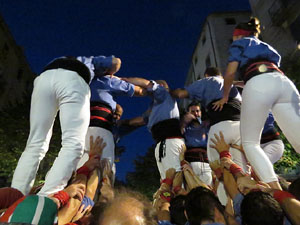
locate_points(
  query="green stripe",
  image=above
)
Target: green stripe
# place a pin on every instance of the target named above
(49, 212)
(25, 210)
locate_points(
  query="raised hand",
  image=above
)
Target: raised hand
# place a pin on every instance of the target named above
(97, 146)
(219, 143)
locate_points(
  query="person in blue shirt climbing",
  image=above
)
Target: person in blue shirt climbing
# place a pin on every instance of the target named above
(266, 89)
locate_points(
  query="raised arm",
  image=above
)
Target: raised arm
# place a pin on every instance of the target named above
(138, 81)
(179, 93)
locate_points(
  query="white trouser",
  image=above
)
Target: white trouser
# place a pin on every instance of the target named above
(262, 93)
(273, 149)
(203, 171)
(108, 151)
(171, 159)
(54, 90)
(231, 132)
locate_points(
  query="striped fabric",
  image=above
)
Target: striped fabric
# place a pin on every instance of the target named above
(32, 209)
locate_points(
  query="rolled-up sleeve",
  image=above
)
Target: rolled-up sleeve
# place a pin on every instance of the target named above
(159, 92)
(121, 87)
(235, 51)
(196, 89)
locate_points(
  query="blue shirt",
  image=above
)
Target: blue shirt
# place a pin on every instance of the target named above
(196, 136)
(164, 106)
(97, 64)
(209, 89)
(248, 48)
(105, 88)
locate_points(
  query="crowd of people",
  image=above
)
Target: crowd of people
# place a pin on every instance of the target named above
(215, 161)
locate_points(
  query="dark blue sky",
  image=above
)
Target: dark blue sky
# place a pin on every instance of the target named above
(154, 38)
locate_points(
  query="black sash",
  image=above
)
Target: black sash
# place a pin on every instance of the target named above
(72, 64)
(231, 111)
(101, 115)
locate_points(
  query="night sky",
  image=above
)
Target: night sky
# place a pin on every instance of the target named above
(155, 39)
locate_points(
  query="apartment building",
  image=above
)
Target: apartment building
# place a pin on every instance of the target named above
(213, 44)
(280, 22)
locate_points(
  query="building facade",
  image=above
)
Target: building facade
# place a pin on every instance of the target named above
(213, 44)
(15, 74)
(280, 23)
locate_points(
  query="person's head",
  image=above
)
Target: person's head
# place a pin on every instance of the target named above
(129, 208)
(212, 71)
(294, 188)
(104, 65)
(194, 108)
(177, 210)
(118, 112)
(163, 83)
(201, 204)
(115, 66)
(260, 208)
(250, 28)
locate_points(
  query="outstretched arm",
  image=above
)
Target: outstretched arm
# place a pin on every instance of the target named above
(138, 81)
(180, 93)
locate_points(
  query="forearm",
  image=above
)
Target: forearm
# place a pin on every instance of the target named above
(229, 77)
(137, 121)
(230, 184)
(291, 206)
(138, 81)
(163, 213)
(92, 185)
(139, 91)
(179, 93)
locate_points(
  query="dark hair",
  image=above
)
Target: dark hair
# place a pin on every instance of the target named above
(194, 103)
(294, 188)
(177, 210)
(260, 208)
(252, 25)
(200, 205)
(212, 71)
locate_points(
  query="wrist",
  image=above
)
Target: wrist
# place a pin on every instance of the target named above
(218, 173)
(280, 196)
(63, 197)
(234, 169)
(167, 181)
(225, 154)
(84, 170)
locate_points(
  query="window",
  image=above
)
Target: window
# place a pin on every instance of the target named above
(230, 21)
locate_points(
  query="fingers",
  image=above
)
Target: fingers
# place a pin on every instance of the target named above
(79, 191)
(221, 136)
(91, 141)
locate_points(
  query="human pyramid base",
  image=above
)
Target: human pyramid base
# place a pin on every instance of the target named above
(215, 161)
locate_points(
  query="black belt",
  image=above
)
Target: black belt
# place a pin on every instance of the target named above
(231, 111)
(196, 155)
(258, 68)
(72, 64)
